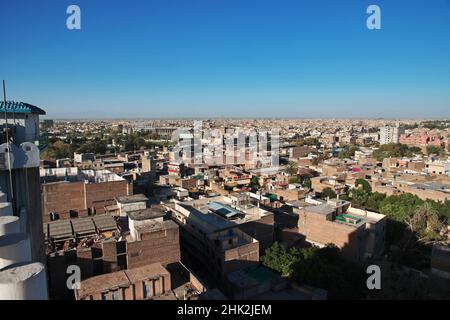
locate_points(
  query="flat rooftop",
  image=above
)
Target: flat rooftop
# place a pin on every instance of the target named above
(132, 199)
(74, 174)
(146, 214)
(153, 226)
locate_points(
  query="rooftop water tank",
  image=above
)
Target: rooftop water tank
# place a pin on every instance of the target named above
(26, 281)
(5, 209)
(9, 224)
(14, 248)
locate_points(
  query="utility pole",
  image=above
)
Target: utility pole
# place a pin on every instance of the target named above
(8, 144)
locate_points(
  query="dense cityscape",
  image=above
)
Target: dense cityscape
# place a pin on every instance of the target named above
(124, 202)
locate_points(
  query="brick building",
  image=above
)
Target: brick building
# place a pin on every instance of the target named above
(142, 283)
(67, 190)
(359, 234)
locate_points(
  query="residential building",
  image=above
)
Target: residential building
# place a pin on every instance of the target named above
(360, 234)
(390, 134)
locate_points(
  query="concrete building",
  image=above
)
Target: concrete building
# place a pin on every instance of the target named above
(211, 246)
(335, 183)
(390, 134)
(130, 203)
(438, 167)
(83, 157)
(22, 275)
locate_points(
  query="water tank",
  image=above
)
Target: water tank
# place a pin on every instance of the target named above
(9, 224)
(5, 209)
(14, 248)
(24, 282)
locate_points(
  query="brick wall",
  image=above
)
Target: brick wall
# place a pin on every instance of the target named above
(104, 194)
(159, 246)
(321, 231)
(78, 196)
(62, 197)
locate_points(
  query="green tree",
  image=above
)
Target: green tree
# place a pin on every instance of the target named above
(58, 150)
(328, 193)
(425, 223)
(365, 184)
(326, 268)
(254, 182)
(280, 259)
(291, 168)
(434, 150)
(359, 197)
(374, 200)
(415, 150)
(294, 180)
(307, 183)
(392, 150)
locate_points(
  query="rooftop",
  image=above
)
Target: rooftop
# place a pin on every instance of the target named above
(145, 214)
(19, 107)
(60, 230)
(132, 198)
(223, 210)
(57, 175)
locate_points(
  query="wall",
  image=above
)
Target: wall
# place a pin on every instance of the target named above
(78, 196)
(159, 246)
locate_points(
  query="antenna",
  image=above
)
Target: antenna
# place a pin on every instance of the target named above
(7, 144)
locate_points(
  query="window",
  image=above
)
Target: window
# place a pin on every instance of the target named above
(147, 289)
(105, 296)
(115, 295)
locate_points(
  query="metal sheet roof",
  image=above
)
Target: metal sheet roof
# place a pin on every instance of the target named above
(60, 229)
(19, 107)
(83, 226)
(104, 222)
(223, 210)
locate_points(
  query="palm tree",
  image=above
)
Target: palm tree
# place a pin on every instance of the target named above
(291, 168)
(425, 223)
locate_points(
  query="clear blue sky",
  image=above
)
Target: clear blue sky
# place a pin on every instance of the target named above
(241, 58)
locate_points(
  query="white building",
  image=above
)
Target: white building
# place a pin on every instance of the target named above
(22, 275)
(390, 134)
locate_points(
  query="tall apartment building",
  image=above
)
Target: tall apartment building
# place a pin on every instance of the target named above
(390, 134)
(22, 274)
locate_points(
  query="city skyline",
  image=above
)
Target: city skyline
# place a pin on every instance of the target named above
(227, 59)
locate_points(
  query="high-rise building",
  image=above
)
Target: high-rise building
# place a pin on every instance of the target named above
(22, 274)
(390, 134)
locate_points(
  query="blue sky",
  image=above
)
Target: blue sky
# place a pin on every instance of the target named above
(222, 58)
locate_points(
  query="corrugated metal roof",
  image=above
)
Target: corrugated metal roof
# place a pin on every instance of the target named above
(19, 107)
(60, 229)
(223, 210)
(83, 226)
(104, 222)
